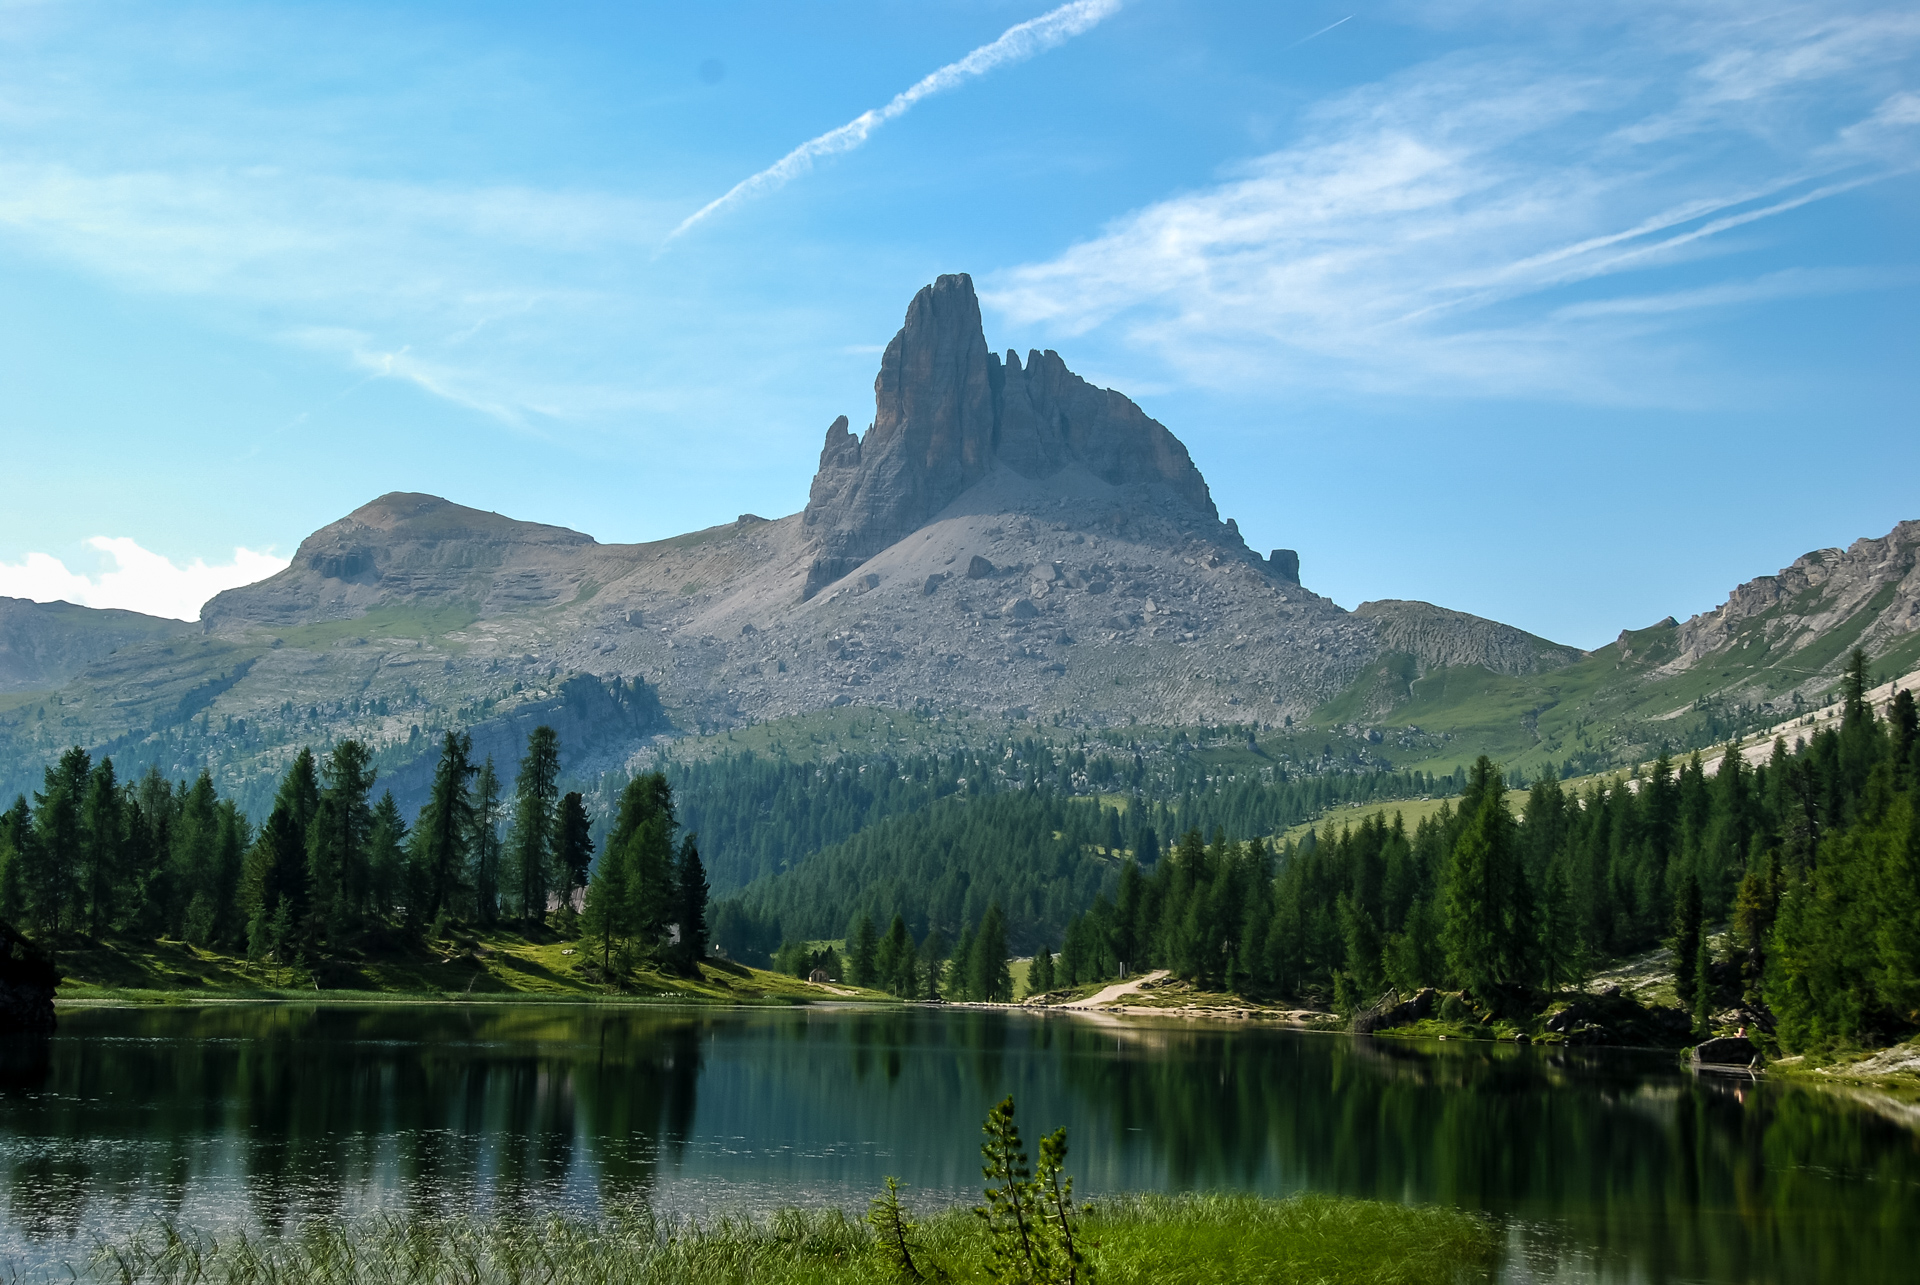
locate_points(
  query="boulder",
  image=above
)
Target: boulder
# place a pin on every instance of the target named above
(1727, 1050)
(1020, 609)
(979, 568)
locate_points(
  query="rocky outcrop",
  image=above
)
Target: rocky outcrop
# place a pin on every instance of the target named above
(43, 644)
(1874, 583)
(947, 412)
(1437, 638)
(414, 550)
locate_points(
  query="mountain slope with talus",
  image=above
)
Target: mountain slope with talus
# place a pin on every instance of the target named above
(1006, 543)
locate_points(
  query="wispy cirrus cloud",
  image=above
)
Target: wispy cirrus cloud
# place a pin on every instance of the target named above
(1016, 44)
(1449, 229)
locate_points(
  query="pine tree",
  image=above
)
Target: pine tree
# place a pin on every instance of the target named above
(530, 846)
(1010, 1214)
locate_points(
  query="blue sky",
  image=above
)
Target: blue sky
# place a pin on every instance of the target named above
(1572, 320)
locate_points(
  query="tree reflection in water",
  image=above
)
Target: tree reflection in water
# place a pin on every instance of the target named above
(269, 1115)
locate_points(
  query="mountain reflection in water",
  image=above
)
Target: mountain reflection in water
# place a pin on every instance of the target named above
(263, 1116)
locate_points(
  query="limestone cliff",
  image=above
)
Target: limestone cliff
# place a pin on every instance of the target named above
(947, 412)
(1870, 590)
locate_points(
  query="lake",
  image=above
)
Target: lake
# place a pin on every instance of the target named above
(1604, 1165)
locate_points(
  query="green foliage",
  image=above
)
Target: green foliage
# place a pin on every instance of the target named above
(647, 897)
(1011, 1213)
(1040, 978)
(895, 1230)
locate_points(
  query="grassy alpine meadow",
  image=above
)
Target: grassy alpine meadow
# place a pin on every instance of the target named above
(1320, 1239)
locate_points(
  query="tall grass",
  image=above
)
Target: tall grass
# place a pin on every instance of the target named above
(1162, 1239)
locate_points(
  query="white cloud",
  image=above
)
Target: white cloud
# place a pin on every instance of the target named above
(1446, 230)
(1016, 44)
(140, 580)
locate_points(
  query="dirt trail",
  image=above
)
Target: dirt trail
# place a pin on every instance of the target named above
(1116, 991)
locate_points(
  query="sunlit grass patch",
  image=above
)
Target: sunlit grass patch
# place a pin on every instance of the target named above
(1132, 1239)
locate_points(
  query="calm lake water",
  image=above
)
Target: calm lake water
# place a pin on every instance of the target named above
(1603, 1165)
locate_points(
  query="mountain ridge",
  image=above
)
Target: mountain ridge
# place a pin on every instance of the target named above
(1006, 543)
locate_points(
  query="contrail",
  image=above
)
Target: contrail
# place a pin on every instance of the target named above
(1316, 35)
(1016, 44)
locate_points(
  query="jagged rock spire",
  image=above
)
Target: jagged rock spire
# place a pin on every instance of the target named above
(947, 412)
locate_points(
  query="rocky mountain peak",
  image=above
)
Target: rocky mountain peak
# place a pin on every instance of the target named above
(948, 413)
(404, 547)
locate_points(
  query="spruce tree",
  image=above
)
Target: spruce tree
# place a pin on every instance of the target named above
(642, 838)
(863, 948)
(1040, 972)
(51, 881)
(486, 853)
(338, 840)
(536, 796)
(1489, 934)
(606, 924)
(16, 837)
(387, 858)
(894, 953)
(690, 907)
(573, 845)
(959, 970)
(444, 832)
(104, 835)
(933, 952)
(1559, 932)
(989, 978)
(1702, 988)
(1685, 941)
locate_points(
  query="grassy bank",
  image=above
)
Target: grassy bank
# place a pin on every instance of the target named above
(1896, 1068)
(1138, 1239)
(490, 964)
